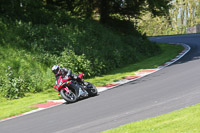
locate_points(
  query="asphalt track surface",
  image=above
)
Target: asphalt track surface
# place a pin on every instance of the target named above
(172, 88)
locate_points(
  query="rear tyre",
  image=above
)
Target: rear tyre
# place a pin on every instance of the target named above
(68, 97)
(91, 89)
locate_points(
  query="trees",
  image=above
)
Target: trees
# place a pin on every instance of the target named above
(85, 8)
(183, 14)
(132, 8)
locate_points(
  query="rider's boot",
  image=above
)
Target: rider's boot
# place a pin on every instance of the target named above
(83, 92)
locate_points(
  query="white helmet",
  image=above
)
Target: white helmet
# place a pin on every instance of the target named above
(56, 69)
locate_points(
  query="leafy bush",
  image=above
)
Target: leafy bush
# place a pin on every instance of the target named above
(80, 45)
(14, 86)
(27, 73)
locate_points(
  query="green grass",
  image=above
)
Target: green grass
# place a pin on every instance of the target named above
(168, 53)
(18, 106)
(182, 121)
(28, 51)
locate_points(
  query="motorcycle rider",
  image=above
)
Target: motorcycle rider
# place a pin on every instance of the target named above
(58, 71)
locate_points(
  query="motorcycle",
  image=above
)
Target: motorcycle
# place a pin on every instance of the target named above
(71, 90)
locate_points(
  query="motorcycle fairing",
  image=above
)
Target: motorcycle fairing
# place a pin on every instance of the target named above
(81, 75)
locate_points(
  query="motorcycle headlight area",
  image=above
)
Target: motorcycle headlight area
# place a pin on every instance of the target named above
(60, 83)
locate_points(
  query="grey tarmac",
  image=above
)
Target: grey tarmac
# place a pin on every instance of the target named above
(172, 88)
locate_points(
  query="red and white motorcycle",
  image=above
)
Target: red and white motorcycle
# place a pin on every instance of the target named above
(71, 90)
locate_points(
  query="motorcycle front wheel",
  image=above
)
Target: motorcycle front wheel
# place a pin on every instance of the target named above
(68, 97)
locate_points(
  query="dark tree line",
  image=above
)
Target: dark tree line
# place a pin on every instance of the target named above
(85, 8)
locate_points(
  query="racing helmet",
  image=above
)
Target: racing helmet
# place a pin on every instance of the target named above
(56, 69)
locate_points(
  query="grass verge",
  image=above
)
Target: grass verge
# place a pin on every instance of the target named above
(182, 121)
(168, 53)
(18, 106)
(14, 107)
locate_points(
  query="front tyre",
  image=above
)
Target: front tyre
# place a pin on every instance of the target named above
(91, 89)
(68, 97)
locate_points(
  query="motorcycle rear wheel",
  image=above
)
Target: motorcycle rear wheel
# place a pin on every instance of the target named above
(68, 97)
(91, 89)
